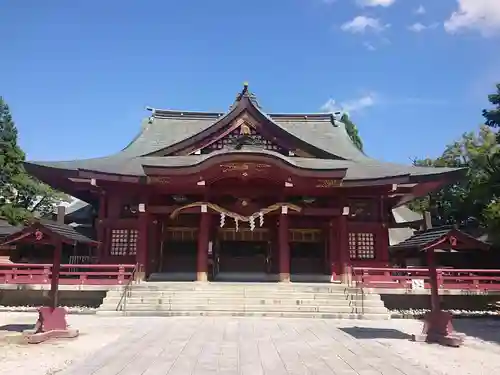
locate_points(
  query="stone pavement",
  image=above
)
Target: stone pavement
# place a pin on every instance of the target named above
(246, 346)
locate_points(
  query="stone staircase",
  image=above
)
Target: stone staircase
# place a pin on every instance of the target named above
(327, 300)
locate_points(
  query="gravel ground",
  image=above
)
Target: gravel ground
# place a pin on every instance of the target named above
(479, 355)
(17, 357)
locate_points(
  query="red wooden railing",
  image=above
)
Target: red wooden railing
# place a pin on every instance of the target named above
(402, 278)
(71, 274)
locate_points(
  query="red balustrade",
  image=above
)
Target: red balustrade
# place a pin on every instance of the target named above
(71, 274)
(403, 278)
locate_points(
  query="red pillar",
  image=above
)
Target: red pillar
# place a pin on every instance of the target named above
(284, 248)
(142, 242)
(101, 231)
(332, 249)
(383, 241)
(344, 257)
(56, 269)
(203, 240)
(382, 235)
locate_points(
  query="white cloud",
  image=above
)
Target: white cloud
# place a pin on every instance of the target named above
(350, 106)
(419, 27)
(375, 3)
(479, 15)
(369, 46)
(361, 24)
(420, 10)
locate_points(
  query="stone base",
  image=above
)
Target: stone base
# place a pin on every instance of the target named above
(439, 329)
(454, 341)
(139, 276)
(37, 338)
(284, 277)
(201, 276)
(51, 324)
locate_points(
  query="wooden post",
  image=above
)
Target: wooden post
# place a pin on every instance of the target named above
(343, 234)
(284, 247)
(56, 263)
(101, 230)
(332, 250)
(438, 326)
(382, 240)
(142, 242)
(203, 240)
(51, 321)
(56, 269)
(431, 264)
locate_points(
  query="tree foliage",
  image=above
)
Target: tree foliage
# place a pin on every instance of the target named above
(492, 116)
(352, 130)
(21, 196)
(462, 202)
(474, 200)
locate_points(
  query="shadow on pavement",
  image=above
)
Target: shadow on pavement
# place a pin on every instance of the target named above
(483, 329)
(375, 333)
(16, 327)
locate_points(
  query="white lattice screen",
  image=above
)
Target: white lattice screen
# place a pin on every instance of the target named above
(123, 242)
(361, 245)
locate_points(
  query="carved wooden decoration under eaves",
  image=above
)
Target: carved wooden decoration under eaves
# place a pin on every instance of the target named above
(159, 180)
(242, 167)
(331, 183)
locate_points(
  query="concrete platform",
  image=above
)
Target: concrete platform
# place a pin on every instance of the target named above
(246, 346)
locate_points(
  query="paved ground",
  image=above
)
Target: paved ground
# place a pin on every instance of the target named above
(150, 346)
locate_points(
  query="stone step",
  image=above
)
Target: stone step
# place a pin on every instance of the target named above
(236, 296)
(242, 287)
(238, 301)
(266, 314)
(246, 307)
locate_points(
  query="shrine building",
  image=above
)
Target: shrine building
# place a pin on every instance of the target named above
(242, 195)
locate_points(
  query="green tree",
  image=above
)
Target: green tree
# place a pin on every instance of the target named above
(21, 196)
(492, 116)
(465, 201)
(352, 130)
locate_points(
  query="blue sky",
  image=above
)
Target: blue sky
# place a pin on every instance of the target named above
(414, 74)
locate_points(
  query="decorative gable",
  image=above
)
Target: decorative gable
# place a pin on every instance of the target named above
(243, 137)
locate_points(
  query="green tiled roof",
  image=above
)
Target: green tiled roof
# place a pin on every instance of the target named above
(166, 128)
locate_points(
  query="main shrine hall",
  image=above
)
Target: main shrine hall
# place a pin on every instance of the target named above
(242, 195)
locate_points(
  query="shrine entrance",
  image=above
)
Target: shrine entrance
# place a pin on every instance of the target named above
(241, 255)
(308, 255)
(178, 252)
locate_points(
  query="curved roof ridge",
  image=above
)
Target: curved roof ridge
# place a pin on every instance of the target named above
(316, 115)
(169, 113)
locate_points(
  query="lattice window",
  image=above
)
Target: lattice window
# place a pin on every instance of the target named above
(236, 140)
(362, 246)
(124, 242)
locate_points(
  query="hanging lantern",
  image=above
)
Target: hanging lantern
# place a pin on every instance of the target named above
(222, 219)
(261, 218)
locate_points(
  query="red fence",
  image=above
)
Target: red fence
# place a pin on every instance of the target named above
(418, 278)
(71, 274)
